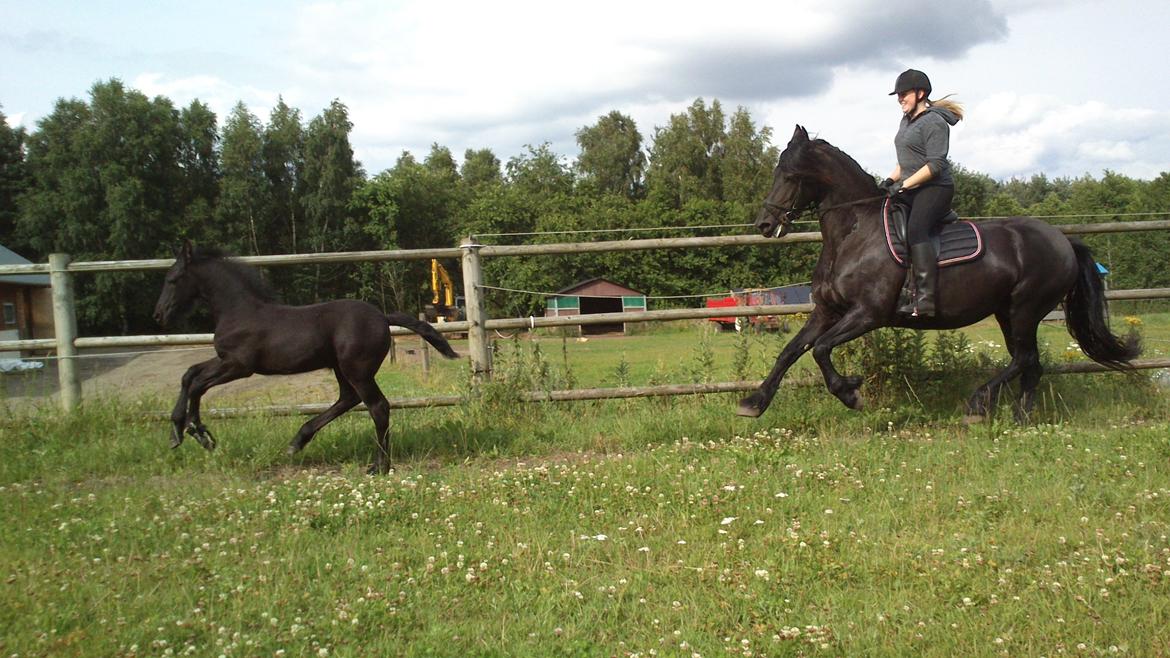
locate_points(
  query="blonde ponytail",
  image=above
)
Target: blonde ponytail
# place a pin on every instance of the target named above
(954, 107)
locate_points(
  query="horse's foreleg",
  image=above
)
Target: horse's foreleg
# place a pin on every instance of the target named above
(854, 324)
(179, 414)
(221, 373)
(347, 398)
(755, 404)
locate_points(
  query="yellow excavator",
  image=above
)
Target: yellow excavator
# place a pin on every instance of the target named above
(445, 306)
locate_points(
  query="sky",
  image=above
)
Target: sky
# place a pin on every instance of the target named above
(1063, 88)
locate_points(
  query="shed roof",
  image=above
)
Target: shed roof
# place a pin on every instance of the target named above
(614, 289)
(10, 257)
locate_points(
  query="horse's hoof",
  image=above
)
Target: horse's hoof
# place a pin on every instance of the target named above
(176, 438)
(378, 469)
(748, 410)
(973, 419)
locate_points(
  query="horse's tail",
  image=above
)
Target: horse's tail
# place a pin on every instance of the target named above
(425, 330)
(1084, 309)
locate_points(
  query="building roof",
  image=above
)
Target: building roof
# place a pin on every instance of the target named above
(9, 257)
(615, 289)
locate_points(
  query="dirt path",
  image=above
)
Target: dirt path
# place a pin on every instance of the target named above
(157, 373)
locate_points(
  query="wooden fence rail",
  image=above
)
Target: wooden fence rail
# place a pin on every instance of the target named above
(66, 343)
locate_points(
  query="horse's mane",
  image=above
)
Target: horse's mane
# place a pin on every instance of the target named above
(247, 275)
(846, 160)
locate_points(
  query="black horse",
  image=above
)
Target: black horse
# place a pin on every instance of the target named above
(254, 334)
(1028, 268)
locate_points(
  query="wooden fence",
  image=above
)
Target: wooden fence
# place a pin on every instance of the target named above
(67, 343)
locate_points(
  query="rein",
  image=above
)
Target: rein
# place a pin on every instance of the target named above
(787, 216)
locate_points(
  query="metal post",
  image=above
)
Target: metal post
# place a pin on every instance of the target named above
(477, 339)
(65, 329)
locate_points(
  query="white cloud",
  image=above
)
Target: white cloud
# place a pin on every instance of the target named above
(501, 75)
(219, 94)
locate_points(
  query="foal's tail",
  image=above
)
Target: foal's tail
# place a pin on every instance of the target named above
(1084, 309)
(425, 330)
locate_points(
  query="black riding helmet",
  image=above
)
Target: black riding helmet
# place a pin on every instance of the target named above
(911, 79)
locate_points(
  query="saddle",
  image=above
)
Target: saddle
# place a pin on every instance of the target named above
(955, 241)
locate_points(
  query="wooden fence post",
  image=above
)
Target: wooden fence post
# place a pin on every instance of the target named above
(65, 330)
(426, 352)
(477, 340)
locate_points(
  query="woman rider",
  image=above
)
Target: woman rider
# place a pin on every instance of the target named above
(922, 180)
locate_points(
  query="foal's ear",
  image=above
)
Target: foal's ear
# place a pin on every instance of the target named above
(185, 249)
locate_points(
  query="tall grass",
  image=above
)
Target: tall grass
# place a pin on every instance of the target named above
(636, 527)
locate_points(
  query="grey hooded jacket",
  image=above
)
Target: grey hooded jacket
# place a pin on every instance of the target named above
(925, 140)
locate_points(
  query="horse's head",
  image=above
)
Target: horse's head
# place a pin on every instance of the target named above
(796, 187)
(179, 289)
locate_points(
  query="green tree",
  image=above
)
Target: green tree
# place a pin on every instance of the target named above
(686, 156)
(106, 183)
(748, 161)
(199, 162)
(973, 192)
(481, 168)
(539, 172)
(330, 178)
(611, 160)
(283, 155)
(244, 210)
(13, 178)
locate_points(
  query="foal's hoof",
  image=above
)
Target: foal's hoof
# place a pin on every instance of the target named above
(748, 411)
(203, 436)
(973, 419)
(751, 406)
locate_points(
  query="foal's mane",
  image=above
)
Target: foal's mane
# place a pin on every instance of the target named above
(247, 275)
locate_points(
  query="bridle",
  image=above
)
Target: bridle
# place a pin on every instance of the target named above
(786, 216)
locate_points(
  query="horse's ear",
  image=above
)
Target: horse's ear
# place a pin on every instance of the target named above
(800, 134)
(185, 251)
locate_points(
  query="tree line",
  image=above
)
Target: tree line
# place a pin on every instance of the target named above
(122, 176)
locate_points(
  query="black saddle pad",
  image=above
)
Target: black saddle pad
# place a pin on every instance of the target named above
(958, 241)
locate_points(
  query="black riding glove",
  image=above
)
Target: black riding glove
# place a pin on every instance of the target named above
(892, 187)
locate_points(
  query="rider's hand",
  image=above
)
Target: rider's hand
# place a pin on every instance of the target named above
(892, 187)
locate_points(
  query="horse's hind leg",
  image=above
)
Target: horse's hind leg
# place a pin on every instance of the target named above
(347, 398)
(1028, 352)
(379, 409)
(1020, 338)
(179, 414)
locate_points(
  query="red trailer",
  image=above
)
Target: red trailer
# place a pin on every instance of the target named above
(795, 294)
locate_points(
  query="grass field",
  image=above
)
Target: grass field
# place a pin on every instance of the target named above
(663, 527)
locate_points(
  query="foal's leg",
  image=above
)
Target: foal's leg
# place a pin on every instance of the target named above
(379, 409)
(755, 404)
(857, 322)
(179, 414)
(347, 398)
(221, 372)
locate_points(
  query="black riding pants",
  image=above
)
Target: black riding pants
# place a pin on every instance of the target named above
(928, 204)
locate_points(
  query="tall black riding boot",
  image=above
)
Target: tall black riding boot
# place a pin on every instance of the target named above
(923, 257)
